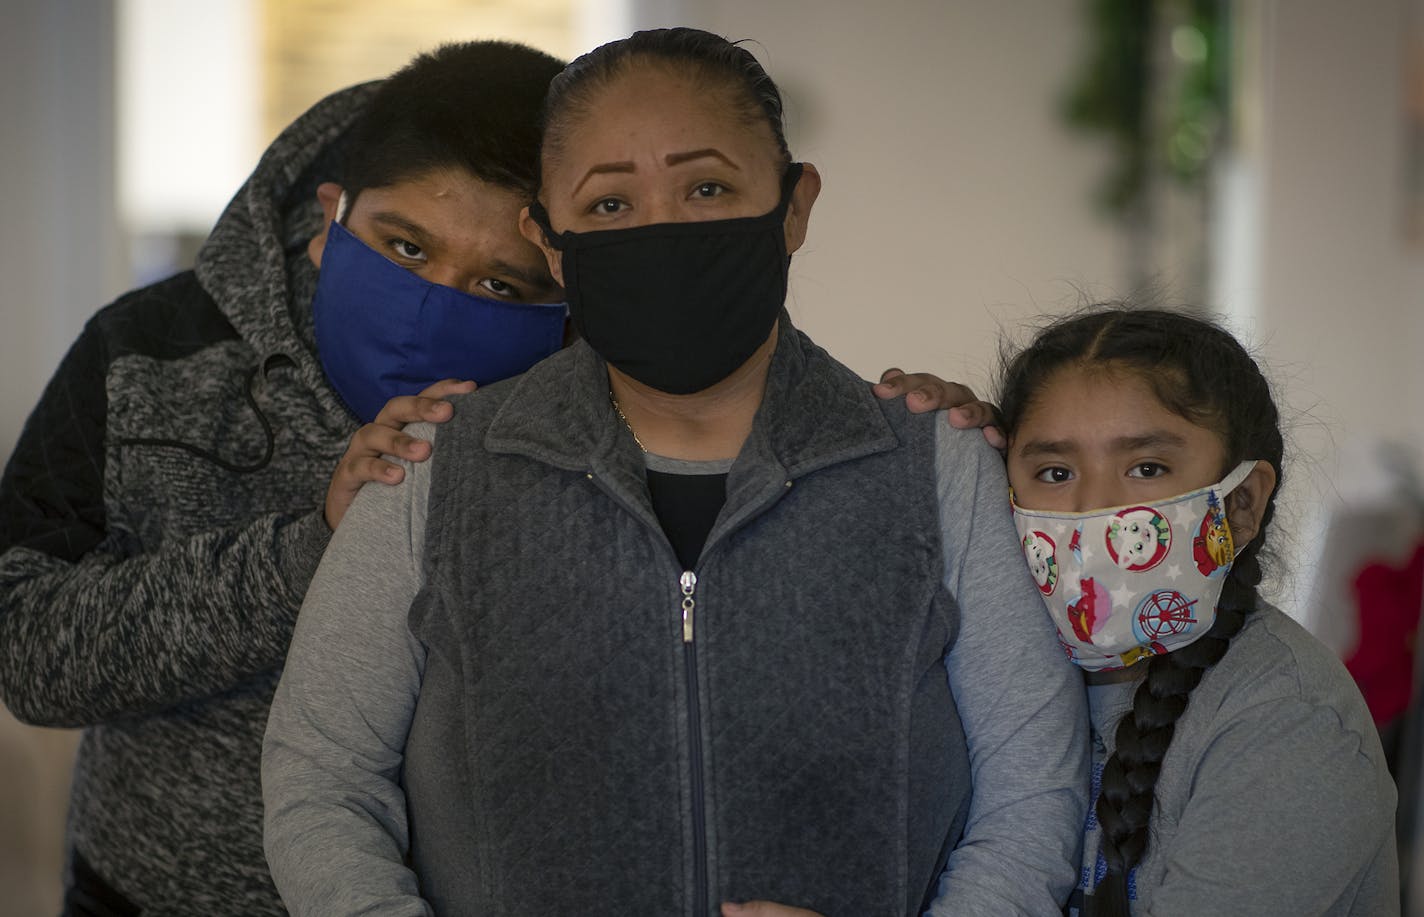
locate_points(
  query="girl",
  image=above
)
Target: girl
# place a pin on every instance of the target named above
(684, 615)
(1237, 770)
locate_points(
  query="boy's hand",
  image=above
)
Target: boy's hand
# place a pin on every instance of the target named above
(924, 392)
(363, 459)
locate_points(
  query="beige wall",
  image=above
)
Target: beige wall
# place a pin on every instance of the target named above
(954, 200)
(1340, 314)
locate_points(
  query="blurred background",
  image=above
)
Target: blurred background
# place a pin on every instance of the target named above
(985, 162)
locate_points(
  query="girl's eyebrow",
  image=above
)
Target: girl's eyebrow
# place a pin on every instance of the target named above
(1037, 447)
(1156, 439)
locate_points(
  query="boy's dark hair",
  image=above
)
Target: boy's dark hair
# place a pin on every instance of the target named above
(1200, 372)
(472, 105)
(706, 58)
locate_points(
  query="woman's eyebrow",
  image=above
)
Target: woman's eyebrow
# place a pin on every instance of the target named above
(677, 159)
(603, 169)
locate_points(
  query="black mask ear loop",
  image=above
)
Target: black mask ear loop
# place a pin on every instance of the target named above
(540, 216)
(789, 180)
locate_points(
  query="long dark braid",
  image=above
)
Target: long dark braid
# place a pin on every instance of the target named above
(1201, 372)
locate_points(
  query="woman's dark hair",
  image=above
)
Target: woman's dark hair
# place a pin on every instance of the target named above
(470, 105)
(1200, 372)
(708, 60)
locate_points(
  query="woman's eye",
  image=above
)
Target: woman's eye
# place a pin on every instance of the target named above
(1147, 470)
(407, 250)
(708, 189)
(1055, 475)
(609, 205)
(500, 288)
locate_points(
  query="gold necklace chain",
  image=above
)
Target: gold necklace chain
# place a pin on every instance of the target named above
(621, 416)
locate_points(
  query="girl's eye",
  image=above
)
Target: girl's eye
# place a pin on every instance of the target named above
(500, 288)
(609, 205)
(1054, 475)
(407, 250)
(709, 189)
(1147, 470)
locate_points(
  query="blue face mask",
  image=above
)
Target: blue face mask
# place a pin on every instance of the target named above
(382, 331)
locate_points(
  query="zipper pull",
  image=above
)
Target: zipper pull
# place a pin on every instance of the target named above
(688, 583)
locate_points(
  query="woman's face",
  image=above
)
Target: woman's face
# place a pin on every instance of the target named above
(652, 147)
(1101, 438)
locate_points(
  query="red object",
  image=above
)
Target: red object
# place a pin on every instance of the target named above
(1389, 600)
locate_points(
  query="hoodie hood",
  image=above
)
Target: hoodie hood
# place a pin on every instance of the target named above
(252, 262)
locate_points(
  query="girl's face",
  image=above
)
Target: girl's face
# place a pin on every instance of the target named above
(652, 147)
(1100, 438)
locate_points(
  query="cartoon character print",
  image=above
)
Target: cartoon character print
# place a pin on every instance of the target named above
(1212, 548)
(1040, 552)
(1138, 538)
(1089, 611)
(1075, 546)
(1137, 653)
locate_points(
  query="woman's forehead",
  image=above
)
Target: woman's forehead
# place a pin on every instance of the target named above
(652, 110)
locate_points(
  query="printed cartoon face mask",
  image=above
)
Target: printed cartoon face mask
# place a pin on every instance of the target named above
(1131, 582)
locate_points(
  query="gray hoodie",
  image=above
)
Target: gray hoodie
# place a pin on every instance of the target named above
(160, 520)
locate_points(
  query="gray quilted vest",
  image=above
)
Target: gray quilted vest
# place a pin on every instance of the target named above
(573, 754)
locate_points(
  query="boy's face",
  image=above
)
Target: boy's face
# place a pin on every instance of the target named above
(450, 228)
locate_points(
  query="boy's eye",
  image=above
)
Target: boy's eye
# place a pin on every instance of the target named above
(500, 288)
(708, 189)
(1054, 475)
(407, 250)
(1147, 470)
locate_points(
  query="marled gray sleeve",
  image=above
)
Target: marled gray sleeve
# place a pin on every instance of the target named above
(1022, 703)
(336, 834)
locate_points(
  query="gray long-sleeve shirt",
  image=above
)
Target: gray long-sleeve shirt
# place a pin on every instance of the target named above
(1273, 798)
(337, 832)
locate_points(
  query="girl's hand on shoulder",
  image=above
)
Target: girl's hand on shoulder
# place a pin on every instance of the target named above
(764, 909)
(363, 460)
(925, 392)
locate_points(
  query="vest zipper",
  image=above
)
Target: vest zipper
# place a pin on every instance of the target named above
(687, 583)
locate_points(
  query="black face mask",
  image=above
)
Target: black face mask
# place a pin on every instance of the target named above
(677, 306)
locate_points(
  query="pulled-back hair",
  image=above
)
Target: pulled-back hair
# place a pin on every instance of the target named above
(472, 106)
(1200, 372)
(706, 59)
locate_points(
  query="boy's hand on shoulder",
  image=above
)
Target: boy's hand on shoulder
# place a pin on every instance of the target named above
(925, 392)
(363, 460)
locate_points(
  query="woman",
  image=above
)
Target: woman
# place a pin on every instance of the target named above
(1237, 770)
(667, 621)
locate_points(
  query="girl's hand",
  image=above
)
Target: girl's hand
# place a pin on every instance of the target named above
(764, 909)
(924, 392)
(362, 461)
